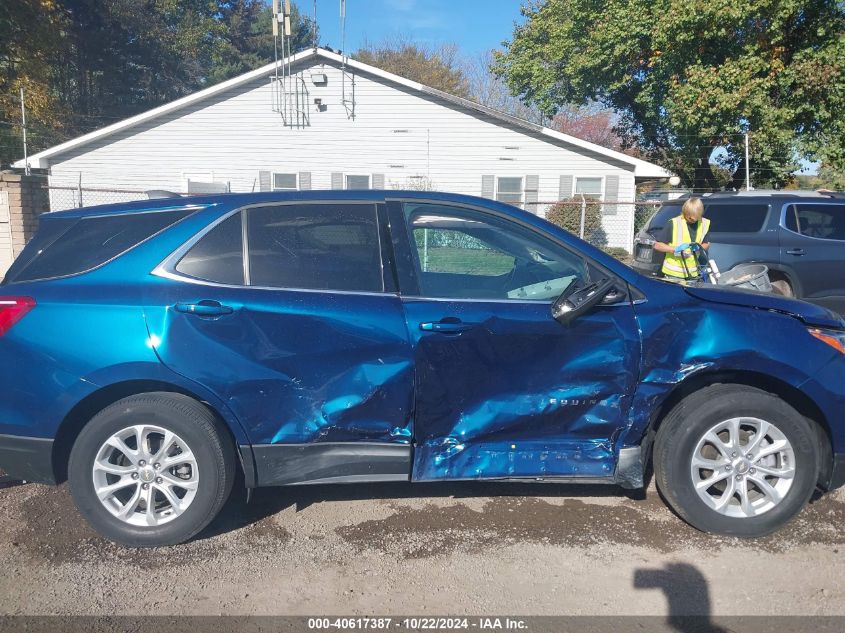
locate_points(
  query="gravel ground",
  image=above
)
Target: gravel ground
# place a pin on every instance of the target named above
(448, 549)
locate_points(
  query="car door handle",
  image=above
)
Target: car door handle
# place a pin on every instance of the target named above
(204, 308)
(795, 251)
(446, 326)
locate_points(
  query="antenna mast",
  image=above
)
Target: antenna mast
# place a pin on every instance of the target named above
(314, 29)
(288, 99)
(348, 102)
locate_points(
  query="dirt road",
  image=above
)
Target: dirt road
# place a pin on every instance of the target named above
(446, 549)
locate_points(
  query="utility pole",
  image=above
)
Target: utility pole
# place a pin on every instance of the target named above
(23, 124)
(748, 186)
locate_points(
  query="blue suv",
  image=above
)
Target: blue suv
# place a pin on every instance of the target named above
(154, 351)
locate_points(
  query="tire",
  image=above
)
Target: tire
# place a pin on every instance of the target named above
(783, 288)
(195, 471)
(717, 508)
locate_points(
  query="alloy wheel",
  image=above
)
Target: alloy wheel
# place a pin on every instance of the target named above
(743, 467)
(145, 475)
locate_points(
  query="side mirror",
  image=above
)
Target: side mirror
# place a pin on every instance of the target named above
(577, 300)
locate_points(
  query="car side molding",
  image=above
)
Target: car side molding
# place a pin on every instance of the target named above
(331, 462)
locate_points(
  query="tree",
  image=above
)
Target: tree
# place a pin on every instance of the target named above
(686, 78)
(28, 50)
(491, 91)
(87, 63)
(246, 39)
(590, 124)
(830, 178)
(437, 68)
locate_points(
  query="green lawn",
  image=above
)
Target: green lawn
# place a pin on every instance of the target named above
(466, 261)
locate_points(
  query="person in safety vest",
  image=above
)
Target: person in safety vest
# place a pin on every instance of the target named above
(691, 226)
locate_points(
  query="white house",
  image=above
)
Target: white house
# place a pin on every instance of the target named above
(320, 120)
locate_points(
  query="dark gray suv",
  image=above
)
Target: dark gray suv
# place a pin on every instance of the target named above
(799, 235)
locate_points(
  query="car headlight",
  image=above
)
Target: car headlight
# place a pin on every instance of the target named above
(834, 338)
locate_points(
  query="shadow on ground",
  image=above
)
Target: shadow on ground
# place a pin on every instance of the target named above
(687, 596)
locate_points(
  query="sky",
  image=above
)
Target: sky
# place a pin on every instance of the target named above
(475, 25)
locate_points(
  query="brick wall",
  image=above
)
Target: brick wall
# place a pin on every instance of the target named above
(27, 200)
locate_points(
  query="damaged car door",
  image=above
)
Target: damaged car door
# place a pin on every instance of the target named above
(282, 312)
(503, 389)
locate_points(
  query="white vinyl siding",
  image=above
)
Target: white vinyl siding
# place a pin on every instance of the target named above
(238, 137)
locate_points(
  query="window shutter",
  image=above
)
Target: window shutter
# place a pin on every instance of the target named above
(264, 181)
(532, 186)
(304, 180)
(488, 184)
(378, 181)
(337, 180)
(611, 193)
(565, 188)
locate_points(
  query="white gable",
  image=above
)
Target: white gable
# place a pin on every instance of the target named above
(396, 134)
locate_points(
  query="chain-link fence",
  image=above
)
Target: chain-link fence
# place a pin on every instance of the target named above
(607, 224)
(62, 198)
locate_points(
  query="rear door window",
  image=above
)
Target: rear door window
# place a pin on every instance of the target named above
(315, 246)
(822, 221)
(91, 242)
(218, 255)
(736, 218)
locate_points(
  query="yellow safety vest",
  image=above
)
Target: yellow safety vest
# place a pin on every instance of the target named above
(673, 265)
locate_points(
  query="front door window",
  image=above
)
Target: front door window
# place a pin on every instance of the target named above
(462, 254)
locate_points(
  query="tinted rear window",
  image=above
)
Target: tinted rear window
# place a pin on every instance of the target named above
(662, 217)
(319, 247)
(48, 232)
(736, 218)
(822, 221)
(88, 243)
(218, 256)
(724, 218)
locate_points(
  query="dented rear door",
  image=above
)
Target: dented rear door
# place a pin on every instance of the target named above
(326, 362)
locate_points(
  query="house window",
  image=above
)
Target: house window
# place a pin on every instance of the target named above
(285, 182)
(589, 187)
(509, 190)
(357, 182)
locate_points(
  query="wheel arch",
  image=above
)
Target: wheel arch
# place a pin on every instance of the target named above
(793, 396)
(781, 271)
(81, 413)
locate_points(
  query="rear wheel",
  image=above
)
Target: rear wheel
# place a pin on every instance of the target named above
(151, 469)
(736, 460)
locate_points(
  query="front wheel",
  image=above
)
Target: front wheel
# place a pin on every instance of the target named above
(736, 460)
(152, 469)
